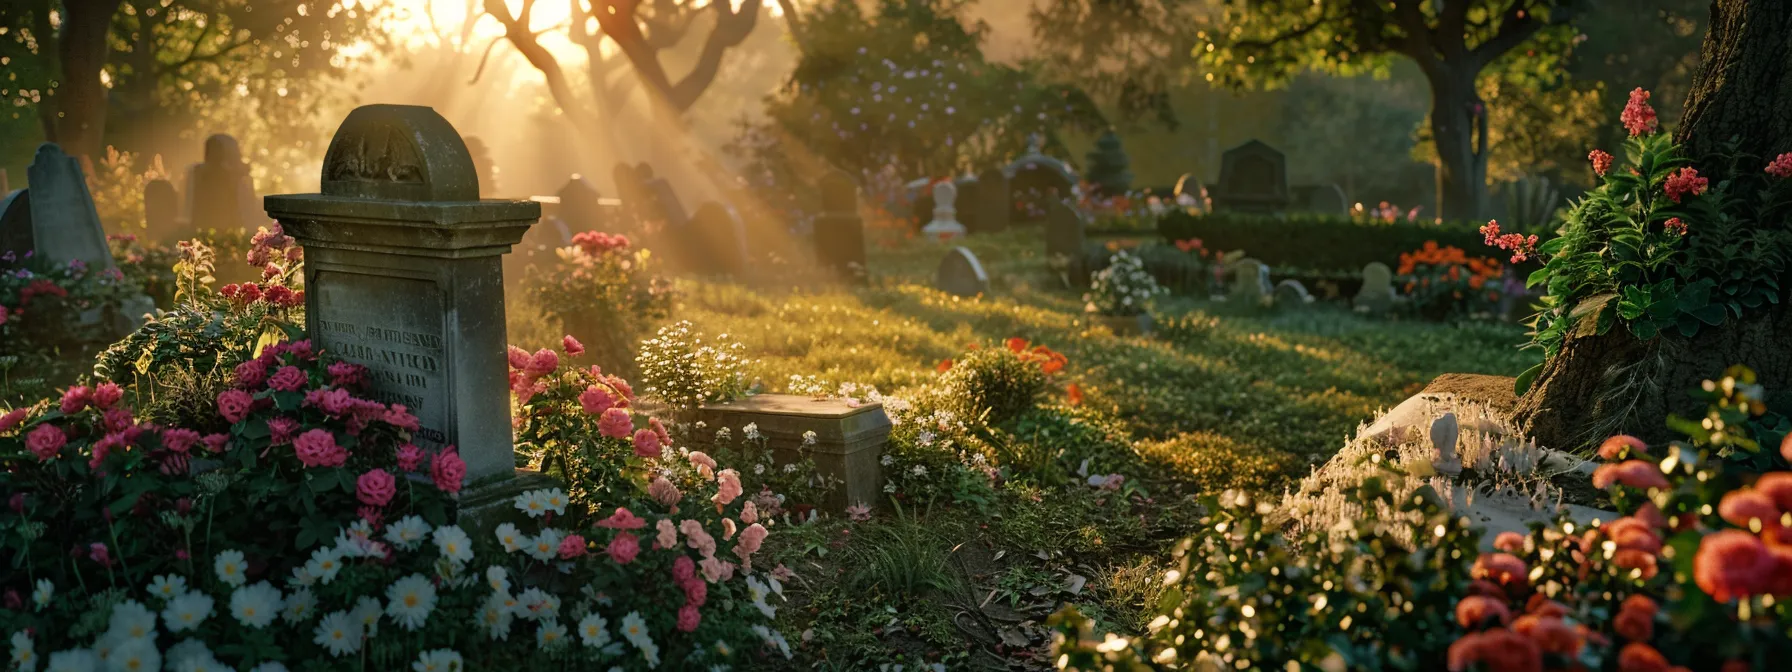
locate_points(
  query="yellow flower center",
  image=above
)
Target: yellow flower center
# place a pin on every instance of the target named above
(410, 600)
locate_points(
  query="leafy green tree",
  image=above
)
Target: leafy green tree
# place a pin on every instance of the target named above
(1107, 168)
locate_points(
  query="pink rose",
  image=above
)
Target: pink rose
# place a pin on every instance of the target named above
(235, 405)
(345, 374)
(696, 592)
(750, 539)
(399, 416)
(45, 441)
(13, 419)
(97, 552)
(704, 464)
(542, 363)
(179, 440)
(664, 492)
(376, 487)
(317, 448)
(409, 457)
(596, 401)
(698, 538)
(448, 470)
(647, 443)
(688, 618)
(683, 570)
(216, 442)
(572, 345)
(574, 546)
(251, 374)
(288, 379)
(728, 529)
(717, 570)
(107, 394)
(622, 519)
(749, 512)
(660, 429)
(727, 488)
(624, 548)
(75, 399)
(519, 358)
(615, 424)
(118, 419)
(668, 537)
(281, 431)
(335, 402)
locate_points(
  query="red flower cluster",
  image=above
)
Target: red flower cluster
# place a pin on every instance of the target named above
(1685, 182)
(1518, 244)
(598, 243)
(1192, 245)
(1675, 226)
(1755, 559)
(1781, 166)
(248, 293)
(1602, 162)
(40, 287)
(1050, 361)
(1638, 117)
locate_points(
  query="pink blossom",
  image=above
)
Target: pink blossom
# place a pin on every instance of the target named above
(1731, 564)
(622, 519)
(97, 552)
(216, 442)
(668, 537)
(118, 419)
(336, 402)
(45, 441)
(106, 394)
(622, 388)
(782, 573)
(1685, 182)
(235, 405)
(859, 513)
(696, 592)
(344, 374)
(749, 512)
(1638, 116)
(704, 464)
(288, 379)
(572, 345)
(698, 538)
(750, 539)
(727, 488)
(1602, 162)
(542, 363)
(683, 570)
(647, 443)
(75, 399)
(688, 618)
(252, 374)
(179, 440)
(317, 448)
(1510, 542)
(409, 457)
(574, 546)
(716, 569)
(1614, 447)
(282, 430)
(596, 400)
(624, 548)
(399, 416)
(1781, 166)
(371, 514)
(300, 350)
(615, 423)
(660, 429)
(664, 492)
(728, 529)
(376, 487)
(519, 358)
(526, 391)
(13, 419)
(1633, 473)
(448, 470)
(1490, 232)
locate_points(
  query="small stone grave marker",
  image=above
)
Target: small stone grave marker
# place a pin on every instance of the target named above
(1065, 235)
(1291, 293)
(161, 211)
(1377, 293)
(945, 224)
(717, 243)
(849, 439)
(992, 203)
(1250, 283)
(961, 274)
(54, 220)
(220, 194)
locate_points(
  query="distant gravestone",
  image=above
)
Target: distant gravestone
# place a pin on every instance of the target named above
(580, 210)
(964, 206)
(1377, 294)
(1250, 283)
(993, 204)
(403, 276)
(220, 194)
(945, 224)
(1291, 293)
(161, 211)
(1253, 178)
(632, 191)
(1327, 199)
(839, 231)
(717, 241)
(1065, 235)
(666, 208)
(54, 220)
(1035, 179)
(961, 274)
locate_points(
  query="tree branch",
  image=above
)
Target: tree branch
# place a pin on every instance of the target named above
(1518, 23)
(1451, 36)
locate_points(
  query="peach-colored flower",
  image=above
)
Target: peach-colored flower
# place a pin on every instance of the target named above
(1621, 446)
(1632, 473)
(1552, 635)
(727, 488)
(1742, 507)
(1636, 619)
(1640, 561)
(1777, 486)
(1510, 542)
(716, 569)
(1487, 588)
(728, 528)
(704, 464)
(1638, 117)
(1498, 649)
(668, 535)
(664, 492)
(1729, 564)
(622, 519)
(1501, 568)
(1474, 611)
(1640, 657)
(698, 538)
(749, 512)
(1631, 532)
(750, 539)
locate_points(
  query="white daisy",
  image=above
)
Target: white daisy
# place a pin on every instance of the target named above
(545, 546)
(551, 635)
(189, 653)
(555, 500)
(338, 632)
(410, 599)
(302, 577)
(455, 545)
(439, 660)
(357, 541)
(187, 611)
(594, 631)
(532, 503)
(73, 660)
(255, 605)
(131, 620)
(758, 592)
(407, 532)
(201, 663)
(135, 655)
(495, 616)
(301, 605)
(498, 579)
(24, 652)
(511, 538)
(42, 594)
(539, 605)
(167, 586)
(230, 567)
(324, 564)
(368, 612)
(634, 629)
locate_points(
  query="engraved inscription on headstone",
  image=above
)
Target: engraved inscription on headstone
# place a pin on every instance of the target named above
(401, 343)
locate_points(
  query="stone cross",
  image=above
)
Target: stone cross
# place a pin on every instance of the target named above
(1377, 294)
(403, 275)
(961, 274)
(839, 231)
(54, 219)
(945, 224)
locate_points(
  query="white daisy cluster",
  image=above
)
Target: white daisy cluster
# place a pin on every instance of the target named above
(538, 503)
(1123, 288)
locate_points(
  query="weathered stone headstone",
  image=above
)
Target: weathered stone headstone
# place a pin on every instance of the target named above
(1039, 180)
(969, 191)
(632, 191)
(839, 231)
(945, 224)
(961, 274)
(845, 439)
(1291, 293)
(579, 209)
(1253, 178)
(664, 203)
(717, 241)
(220, 194)
(54, 220)
(993, 204)
(1327, 199)
(161, 211)
(1377, 293)
(403, 275)
(1250, 283)
(1064, 241)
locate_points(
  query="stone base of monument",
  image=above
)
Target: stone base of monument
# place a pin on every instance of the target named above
(486, 504)
(1125, 325)
(849, 440)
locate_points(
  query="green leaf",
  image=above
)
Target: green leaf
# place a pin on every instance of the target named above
(1711, 314)
(1689, 326)
(1645, 329)
(1524, 380)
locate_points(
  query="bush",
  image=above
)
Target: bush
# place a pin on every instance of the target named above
(1313, 241)
(1181, 271)
(1444, 281)
(995, 385)
(603, 294)
(1124, 288)
(679, 369)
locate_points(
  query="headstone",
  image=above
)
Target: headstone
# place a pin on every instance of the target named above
(839, 231)
(945, 224)
(993, 204)
(403, 275)
(161, 211)
(1064, 242)
(845, 439)
(220, 194)
(632, 191)
(579, 208)
(54, 219)
(1325, 199)
(1250, 283)
(1253, 178)
(1377, 294)
(969, 191)
(716, 242)
(664, 204)
(1291, 293)
(961, 274)
(1036, 180)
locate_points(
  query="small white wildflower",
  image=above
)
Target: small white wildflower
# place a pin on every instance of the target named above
(230, 567)
(410, 600)
(187, 611)
(368, 612)
(130, 619)
(545, 546)
(407, 532)
(339, 633)
(594, 631)
(166, 586)
(498, 579)
(551, 635)
(24, 651)
(919, 470)
(325, 563)
(511, 538)
(887, 459)
(751, 431)
(255, 605)
(301, 605)
(439, 660)
(455, 545)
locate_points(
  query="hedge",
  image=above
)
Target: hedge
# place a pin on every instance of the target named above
(1317, 242)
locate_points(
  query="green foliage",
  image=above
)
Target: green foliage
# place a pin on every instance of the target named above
(562, 428)
(1214, 463)
(604, 296)
(52, 317)
(994, 385)
(1107, 168)
(904, 559)
(1314, 241)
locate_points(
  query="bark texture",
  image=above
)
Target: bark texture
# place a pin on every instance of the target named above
(1743, 88)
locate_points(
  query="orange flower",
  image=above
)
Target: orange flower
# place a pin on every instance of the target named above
(1510, 542)
(1777, 486)
(1636, 618)
(1640, 657)
(1640, 561)
(1614, 448)
(1631, 532)
(1742, 507)
(1487, 588)
(1500, 649)
(1075, 394)
(1730, 564)
(944, 366)
(1633, 473)
(1475, 610)
(1017, 345)
(1501, 568)
(1552, 635)
(1544, 607)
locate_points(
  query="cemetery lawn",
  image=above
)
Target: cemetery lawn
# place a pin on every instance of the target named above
(1220, 397)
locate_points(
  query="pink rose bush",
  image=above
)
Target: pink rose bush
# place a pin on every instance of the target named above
(577, 423)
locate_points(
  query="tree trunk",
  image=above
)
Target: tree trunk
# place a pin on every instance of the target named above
(1600, 385)
(77, 120)
(1460, 176)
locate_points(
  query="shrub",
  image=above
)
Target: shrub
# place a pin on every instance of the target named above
(1124, 288)
(1312, 241)
(996, 385)
(603, 294)
(681, 370)
(1444, 281)
(575, 424)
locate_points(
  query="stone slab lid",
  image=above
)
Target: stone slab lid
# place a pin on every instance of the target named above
(788, 404)
(400, 153)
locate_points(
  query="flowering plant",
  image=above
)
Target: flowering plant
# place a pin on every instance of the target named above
(42, 310)
(1661, 247)
(1441, 280)
(794, 483)
(680, 369)
(603, 292)
(1124, 288)
(577, 423)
